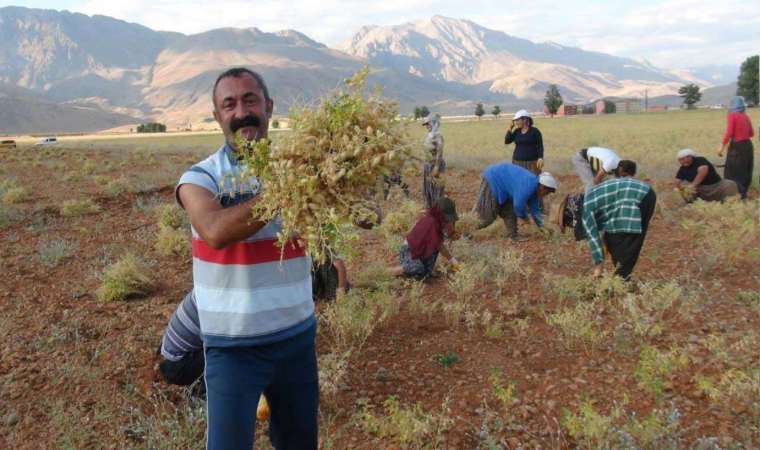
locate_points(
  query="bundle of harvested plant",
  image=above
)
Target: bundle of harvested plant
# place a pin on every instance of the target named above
(319, 178)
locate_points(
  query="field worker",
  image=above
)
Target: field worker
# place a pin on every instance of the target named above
(738, 141)
(529, 145)
(508, 191)
(435, 166)
(621, 209)
(593, 164)
(254, 300)
(425, 241)
(697, 178)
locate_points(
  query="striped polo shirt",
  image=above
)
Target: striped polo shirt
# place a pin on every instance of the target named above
(246, 293)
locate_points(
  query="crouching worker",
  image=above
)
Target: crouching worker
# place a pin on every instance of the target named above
(621, 209)
(425, 241)
(508, 191)
(697, 178)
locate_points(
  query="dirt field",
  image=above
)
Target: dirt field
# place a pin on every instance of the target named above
(526, 351)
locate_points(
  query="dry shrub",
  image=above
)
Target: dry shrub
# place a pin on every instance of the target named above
(410, 426)
(332, 372)
(320, 175)
(645, 311)
(75, 208)
(398, 222)
(128, 277)
(723, 230)
(173, 242)
(579, 324)
(170, 215)
(468, 223)
(350, 321)
(14, 195)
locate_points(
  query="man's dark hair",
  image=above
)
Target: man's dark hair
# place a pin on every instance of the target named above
(627, 166)
(237, 72)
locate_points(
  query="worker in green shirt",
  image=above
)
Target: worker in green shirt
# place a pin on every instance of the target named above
(621, 209)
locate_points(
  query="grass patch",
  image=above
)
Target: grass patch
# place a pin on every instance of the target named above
(51, 254)
(76, 208)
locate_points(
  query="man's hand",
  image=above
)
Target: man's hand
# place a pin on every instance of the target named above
(540, 164)
(597, 271)
(454, 265)
(511, 125)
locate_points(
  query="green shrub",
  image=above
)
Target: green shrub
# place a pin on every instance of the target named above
(410, 426)
(126, 278)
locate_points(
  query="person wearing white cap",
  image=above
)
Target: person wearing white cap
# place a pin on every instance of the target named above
(435, 166)
(509, 191)
(529, 144)
(697, 178)
(593, 164)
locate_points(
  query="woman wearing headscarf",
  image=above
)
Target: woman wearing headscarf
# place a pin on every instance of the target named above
(432, 185)
(738, 141)
(529, 144)
(425, 241)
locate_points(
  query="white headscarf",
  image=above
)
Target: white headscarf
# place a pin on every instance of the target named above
(434, 137)
(686, 152)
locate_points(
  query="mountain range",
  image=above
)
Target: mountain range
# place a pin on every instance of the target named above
(62, 71)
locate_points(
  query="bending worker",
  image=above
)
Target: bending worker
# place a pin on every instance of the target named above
(593, 164)
(508, 191)
(621, 209)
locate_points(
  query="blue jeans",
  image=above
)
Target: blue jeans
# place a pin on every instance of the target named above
(285, 371)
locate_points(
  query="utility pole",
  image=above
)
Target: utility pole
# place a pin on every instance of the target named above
(646, 100)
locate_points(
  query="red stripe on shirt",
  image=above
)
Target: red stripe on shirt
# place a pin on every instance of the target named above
(247, 253)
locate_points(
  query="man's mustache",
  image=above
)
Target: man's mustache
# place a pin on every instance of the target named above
(247, 121)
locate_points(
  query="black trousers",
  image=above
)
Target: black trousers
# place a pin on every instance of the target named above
(740, 161)
(626, 247)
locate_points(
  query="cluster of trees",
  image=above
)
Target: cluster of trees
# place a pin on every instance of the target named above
(749, 78)
(480, 111)
(151, 127)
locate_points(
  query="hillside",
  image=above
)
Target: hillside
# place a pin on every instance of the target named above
(101, 65)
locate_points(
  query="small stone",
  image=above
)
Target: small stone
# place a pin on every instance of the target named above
(11, 419)
(382, 375)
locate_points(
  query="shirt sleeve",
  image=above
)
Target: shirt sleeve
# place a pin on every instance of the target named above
(539, 144)
(183, 334)
(509, 137)
(592, 231)
(519, 201)
(730, 128)
(535, 210)
(200, 177)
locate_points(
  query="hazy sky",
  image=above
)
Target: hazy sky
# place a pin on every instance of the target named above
(668, 33)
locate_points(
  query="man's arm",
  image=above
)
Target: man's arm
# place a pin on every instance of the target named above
(592, 231)
(218, 226)
(535, 211)
(599, 176)
(701, 174)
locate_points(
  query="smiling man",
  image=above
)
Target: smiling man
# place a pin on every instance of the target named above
(255, 311)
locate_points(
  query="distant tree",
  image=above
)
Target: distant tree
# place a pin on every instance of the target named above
(609, 107)
(421, 112)
(553, 99)
(480, 110)
(690, 94)
(275, 124)
(151, 127)
(747, 84)
(496, 111)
